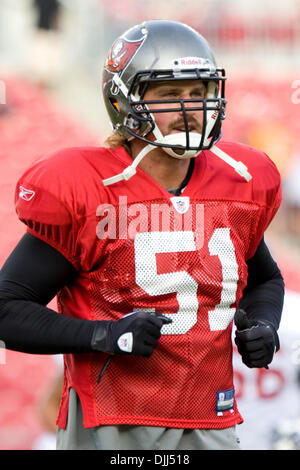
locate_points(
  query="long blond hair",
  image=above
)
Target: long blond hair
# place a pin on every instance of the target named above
(115, 140)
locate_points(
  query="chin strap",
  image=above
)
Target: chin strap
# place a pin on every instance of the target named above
(239, 167)
(130, 171)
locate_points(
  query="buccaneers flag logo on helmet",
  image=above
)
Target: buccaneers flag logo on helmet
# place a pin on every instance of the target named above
(121, 53)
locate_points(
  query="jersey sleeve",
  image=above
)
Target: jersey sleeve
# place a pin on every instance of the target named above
(44, 203)
(267, 192)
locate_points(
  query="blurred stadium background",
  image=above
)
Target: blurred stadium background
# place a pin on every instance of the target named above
(50, 97)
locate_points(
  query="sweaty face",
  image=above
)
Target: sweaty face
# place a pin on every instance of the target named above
(173, 121)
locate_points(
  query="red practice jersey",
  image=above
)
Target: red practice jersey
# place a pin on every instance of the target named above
(136, 247)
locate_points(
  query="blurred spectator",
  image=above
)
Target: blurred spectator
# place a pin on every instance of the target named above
(48, 11)
(45, 55)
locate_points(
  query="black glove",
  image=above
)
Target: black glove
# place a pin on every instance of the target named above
(256, 340)
(136, 333)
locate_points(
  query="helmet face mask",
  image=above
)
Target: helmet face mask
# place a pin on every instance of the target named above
(125, 87)
(212, 108)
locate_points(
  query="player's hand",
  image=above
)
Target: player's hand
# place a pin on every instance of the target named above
(136, 333)
(257, 341)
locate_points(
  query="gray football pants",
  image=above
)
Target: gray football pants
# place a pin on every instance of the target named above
(76, 437)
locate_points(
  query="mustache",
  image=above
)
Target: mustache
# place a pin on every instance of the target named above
(180, 124)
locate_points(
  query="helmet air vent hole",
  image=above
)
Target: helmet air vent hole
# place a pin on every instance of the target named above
(115, 104)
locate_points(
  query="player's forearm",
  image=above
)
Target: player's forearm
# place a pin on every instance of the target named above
(29, 279)
(264, 294)
(265, 302)
(29, 327)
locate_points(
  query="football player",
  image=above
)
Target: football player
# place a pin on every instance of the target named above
(151, 245)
